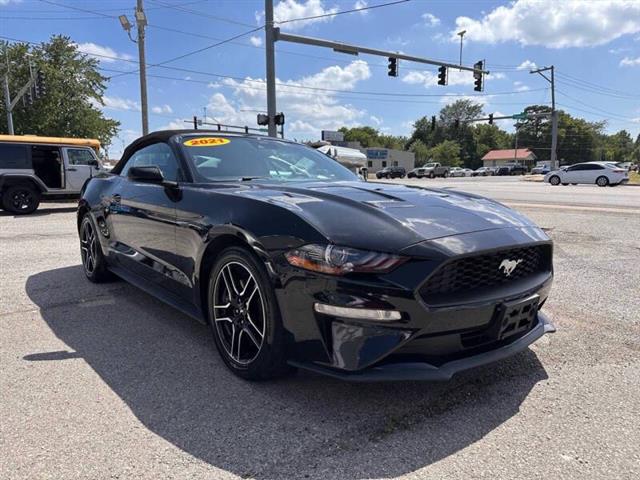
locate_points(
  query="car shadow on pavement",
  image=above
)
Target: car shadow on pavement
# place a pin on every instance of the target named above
(163, 365)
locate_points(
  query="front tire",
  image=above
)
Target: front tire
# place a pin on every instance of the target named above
(20, 199)
(602, 181)
(244, 316)
(555, 180)
(93, 262)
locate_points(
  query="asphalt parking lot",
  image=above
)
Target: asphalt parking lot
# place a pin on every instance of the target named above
(104, 381)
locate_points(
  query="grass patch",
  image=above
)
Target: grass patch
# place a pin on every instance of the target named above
(634, 177)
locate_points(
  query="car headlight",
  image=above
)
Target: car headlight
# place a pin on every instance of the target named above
(337, 260)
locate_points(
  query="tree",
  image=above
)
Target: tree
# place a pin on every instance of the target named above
(421, 152)
(371, 137)
(74, 89)
(446, 153)
(462, 110)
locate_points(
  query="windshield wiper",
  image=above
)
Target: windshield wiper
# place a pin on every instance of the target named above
(249, 178)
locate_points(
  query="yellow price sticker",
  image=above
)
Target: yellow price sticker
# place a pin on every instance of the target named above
(206, 142)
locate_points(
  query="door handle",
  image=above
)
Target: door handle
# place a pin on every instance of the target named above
(72, 169)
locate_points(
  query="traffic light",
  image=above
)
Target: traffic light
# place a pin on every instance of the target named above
(477, 75)
(263, 119)
(491, 119)
(279, 118)
(41, 86)
(442, 75)
(393, 67)
(433, 122)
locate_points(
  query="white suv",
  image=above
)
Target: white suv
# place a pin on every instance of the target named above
(598, 173)
(32, 168)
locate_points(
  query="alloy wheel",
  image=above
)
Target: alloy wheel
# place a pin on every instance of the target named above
(22, 200)
(88, 247)
(239, 312)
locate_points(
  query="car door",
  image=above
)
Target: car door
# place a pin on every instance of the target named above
(79, 164)
(572, 174)
(591, 171)
(143, 215)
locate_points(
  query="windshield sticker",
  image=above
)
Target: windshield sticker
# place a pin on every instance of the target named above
(206, 142)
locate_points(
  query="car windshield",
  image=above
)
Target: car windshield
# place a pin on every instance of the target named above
(429, 165)
(218, 158)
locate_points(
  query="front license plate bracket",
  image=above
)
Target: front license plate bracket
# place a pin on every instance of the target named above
(517, 316)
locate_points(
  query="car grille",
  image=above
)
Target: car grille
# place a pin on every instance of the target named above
(468, 274)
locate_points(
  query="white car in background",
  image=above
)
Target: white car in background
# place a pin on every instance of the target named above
(599, 173)
(460, 172)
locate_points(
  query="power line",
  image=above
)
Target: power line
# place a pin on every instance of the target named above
(594, 108)
(353, 10)
(200, 13)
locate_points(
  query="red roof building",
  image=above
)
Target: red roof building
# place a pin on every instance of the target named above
(495, 158)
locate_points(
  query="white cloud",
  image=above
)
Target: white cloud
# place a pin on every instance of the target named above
(377, 121)
(162, 109)
(361, 4)
(527, 65)
(520, 87)
(7, 2)
(119, 103)
(553, 23)
(630, 62)
(102, 53)
(430, 20)
(287, 10)
(456, 77)
(255, 41)
(308, 111)
(617, 51)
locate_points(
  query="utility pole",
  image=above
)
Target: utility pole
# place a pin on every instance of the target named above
(271, 67)
(7, 104)
(141, 23)
(554, 113)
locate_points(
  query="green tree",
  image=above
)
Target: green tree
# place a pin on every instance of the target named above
(421, 152)
(446, 153)
(74, 89)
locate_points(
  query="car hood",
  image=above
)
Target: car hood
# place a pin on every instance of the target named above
(386, 217)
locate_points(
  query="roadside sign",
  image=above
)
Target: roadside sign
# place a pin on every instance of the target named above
(519, 116)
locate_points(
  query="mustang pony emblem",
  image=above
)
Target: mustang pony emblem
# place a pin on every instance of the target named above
(508, 266)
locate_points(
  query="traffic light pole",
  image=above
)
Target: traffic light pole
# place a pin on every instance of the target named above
(554, 113)
(273, 34)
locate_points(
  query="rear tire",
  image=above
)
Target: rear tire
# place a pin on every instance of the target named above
(244, 317)
(20, 199)
(602, 181)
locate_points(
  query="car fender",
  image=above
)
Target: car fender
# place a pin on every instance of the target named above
(14, 178)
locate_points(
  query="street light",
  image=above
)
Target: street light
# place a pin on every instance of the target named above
(461, 34)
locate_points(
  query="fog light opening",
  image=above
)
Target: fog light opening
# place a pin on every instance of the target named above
(358, 313)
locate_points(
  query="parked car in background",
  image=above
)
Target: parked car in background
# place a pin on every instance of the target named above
(483, 172)
(599, 173)
(278, 249)
(416, 173)
(625, 165)
(433, 170)
(540, 170)
(391, 172)
(457, 172)
(33, 168)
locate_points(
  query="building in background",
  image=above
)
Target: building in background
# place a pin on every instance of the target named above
(496, 158)
(379, 158)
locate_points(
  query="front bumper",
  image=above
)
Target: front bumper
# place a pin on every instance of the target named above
(416, 371)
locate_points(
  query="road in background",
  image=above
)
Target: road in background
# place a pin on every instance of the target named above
(516, 191)
(105, 381)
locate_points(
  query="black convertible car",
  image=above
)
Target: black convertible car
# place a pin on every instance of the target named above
(294, 262)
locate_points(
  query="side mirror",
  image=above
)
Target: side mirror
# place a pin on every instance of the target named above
(93, 163)
(149, 174)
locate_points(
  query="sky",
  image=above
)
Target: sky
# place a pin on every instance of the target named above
(593, 44)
